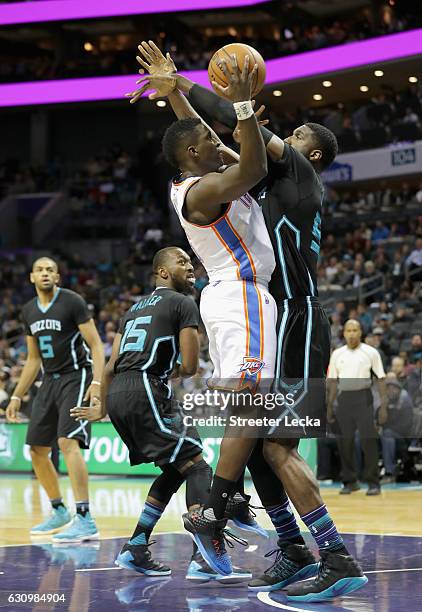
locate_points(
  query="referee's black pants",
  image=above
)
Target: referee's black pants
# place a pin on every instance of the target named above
(355, 411)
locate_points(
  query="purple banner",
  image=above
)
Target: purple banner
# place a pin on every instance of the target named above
(325, 61)
(60, 10)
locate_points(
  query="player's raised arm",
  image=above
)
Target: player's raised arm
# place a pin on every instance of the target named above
(29, 374)
(219, 188)
(206, 101)
(161, 78)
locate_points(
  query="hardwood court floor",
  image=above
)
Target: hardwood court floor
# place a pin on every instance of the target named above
(116, 504)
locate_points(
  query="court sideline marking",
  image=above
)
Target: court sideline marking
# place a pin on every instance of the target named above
(384, 571)
(156, 533)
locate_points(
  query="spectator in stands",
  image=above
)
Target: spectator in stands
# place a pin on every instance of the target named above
(398, 368)
(414, 262)
(365, 318)
(415, 353)
(398, 271)
(374, 339)
(380, 233)
(408, 376)
(398, 424)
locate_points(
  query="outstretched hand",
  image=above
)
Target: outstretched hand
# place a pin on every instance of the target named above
(161, 73)
(153, 61)
(239, 82)
(163, 85)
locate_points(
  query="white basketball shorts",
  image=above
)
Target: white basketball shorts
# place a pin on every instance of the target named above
(240, 319)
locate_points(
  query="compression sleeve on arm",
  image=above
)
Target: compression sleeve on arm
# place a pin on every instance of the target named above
(205, 101)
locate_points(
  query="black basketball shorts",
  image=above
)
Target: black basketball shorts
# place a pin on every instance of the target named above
(148, 420)
(303, 354)
(50, 416)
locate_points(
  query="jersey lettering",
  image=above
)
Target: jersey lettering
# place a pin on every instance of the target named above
(44, 324)
(151, 301)
(134, 336)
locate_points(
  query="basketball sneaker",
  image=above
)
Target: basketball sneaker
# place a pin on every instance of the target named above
(59, 518)
(138, 557)
(292, 562)
(338, 575)
(82, 529)
(239, 511)
(210, 536)
(199, 571)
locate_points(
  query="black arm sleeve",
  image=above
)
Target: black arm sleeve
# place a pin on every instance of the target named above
(205, 101)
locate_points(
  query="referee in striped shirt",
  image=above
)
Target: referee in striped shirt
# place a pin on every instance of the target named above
(351, 375)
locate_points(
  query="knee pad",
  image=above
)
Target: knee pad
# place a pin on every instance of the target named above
(198, 483)
(165, 485)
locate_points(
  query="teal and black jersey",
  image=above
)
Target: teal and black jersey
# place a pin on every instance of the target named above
(150, 332)
(55, 328)
(291, 199)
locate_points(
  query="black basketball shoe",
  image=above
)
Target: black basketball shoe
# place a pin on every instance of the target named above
(292, 562)
(338, 575)
(240, 512)
(137, 557)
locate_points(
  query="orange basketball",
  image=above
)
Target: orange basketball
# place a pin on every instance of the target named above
(240, 50)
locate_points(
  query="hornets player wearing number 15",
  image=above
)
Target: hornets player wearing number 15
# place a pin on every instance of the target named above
(63, 340)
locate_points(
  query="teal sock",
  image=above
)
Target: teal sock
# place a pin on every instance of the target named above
(150, 516)
(323, 530)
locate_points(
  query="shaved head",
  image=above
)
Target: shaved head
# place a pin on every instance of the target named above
(352, 332)
(162, 258)
(44, 260)
(351, 323)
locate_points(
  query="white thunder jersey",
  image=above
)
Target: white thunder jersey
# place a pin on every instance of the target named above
(238, 312)
(236, 246)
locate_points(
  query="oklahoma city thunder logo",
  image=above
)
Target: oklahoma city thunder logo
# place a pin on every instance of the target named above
(252, 365)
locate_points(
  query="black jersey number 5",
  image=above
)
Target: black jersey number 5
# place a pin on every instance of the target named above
(134, 335)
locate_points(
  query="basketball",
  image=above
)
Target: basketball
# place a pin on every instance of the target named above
(241, 51)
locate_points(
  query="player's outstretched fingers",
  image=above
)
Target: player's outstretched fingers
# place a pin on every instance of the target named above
(234, 61)
(245, 69)
(145, 51)
(143, 64)
(252, 74)
(222, 64)
(134, 96)
(154, 50)
(260, 110)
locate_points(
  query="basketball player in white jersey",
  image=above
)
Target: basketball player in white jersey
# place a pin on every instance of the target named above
(227, 231)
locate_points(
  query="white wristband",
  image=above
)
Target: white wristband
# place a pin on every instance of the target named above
(15, 397)
(95, 382)
(243, 110)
